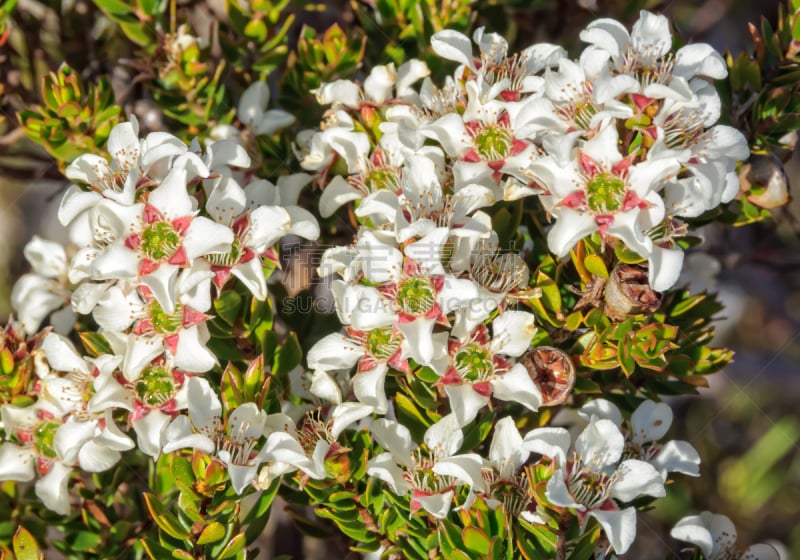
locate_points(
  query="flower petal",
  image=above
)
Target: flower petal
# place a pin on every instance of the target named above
(394, 438)
(192, 355)
(619, 527)
(94, 457)
(384, 467)
(600, 443)
(664, 267)
(558, 494)
(336, 193)
(17, 462)
(71, 436)
(418, 336)
(267, 225)
(465, 402)
(549, 442)
(52, 488)
(506, 452)
(677, 456)
(368, 388)
(205, 408)
(335, 351)
(570, 227)
(205, 236)
(637, 478)
(650, 422)
(601, 408)
(453, 45)
(62, 356)
(512, 333)
(467, 468)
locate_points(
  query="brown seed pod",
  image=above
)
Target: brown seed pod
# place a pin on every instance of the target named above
(628, 292)
(552, 371)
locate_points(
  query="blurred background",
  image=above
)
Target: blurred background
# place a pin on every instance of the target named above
(746, 426)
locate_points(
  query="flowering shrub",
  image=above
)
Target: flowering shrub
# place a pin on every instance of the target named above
(500, 235)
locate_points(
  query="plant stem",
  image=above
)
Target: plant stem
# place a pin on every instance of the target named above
(561, 542)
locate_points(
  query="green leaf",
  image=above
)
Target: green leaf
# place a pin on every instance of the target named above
(228, 306)
(475, 540)
(25, 546)
(411, 417)
(596, 265)
(165, 519)
(550, 294)
(253, 380)
(256, 519)
(288, 356)
(256, 30)
(113, 7)
(234, 547)
(584, 548)
(95, 344)
(211, 533)
(573, 321)
(85, 541)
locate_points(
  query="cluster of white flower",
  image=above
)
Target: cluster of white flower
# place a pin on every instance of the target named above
(621, 142)
(155, 231)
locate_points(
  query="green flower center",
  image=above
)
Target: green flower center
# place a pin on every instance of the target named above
(512, 493)
(160, 241)
(383, 179)
(605, 193)
(493, 143)
(155, 386)
(383, 343)
(43, 437)
(227, 259)
(163, 322)
(416, 296)
(474, 362)
(590, 487)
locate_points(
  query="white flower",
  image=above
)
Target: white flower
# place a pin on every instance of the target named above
(255, 231)
(582, 103)
(252, 111)
(374, 351)
(370, 173)
(413, 293)
(44, 290)
(383, 83)
(32, 453)
(600, 190)
(425, 471)
(284, 194)
(164, 231)
(72, 384)
(499, 75)
(645, 54)
(649, 424)
(177, 324)
(715, 535)
(592, 477)
(234, 440)
(115, 180)
(500, 479)
(492, 135)
(478, 370)
(94, 441)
